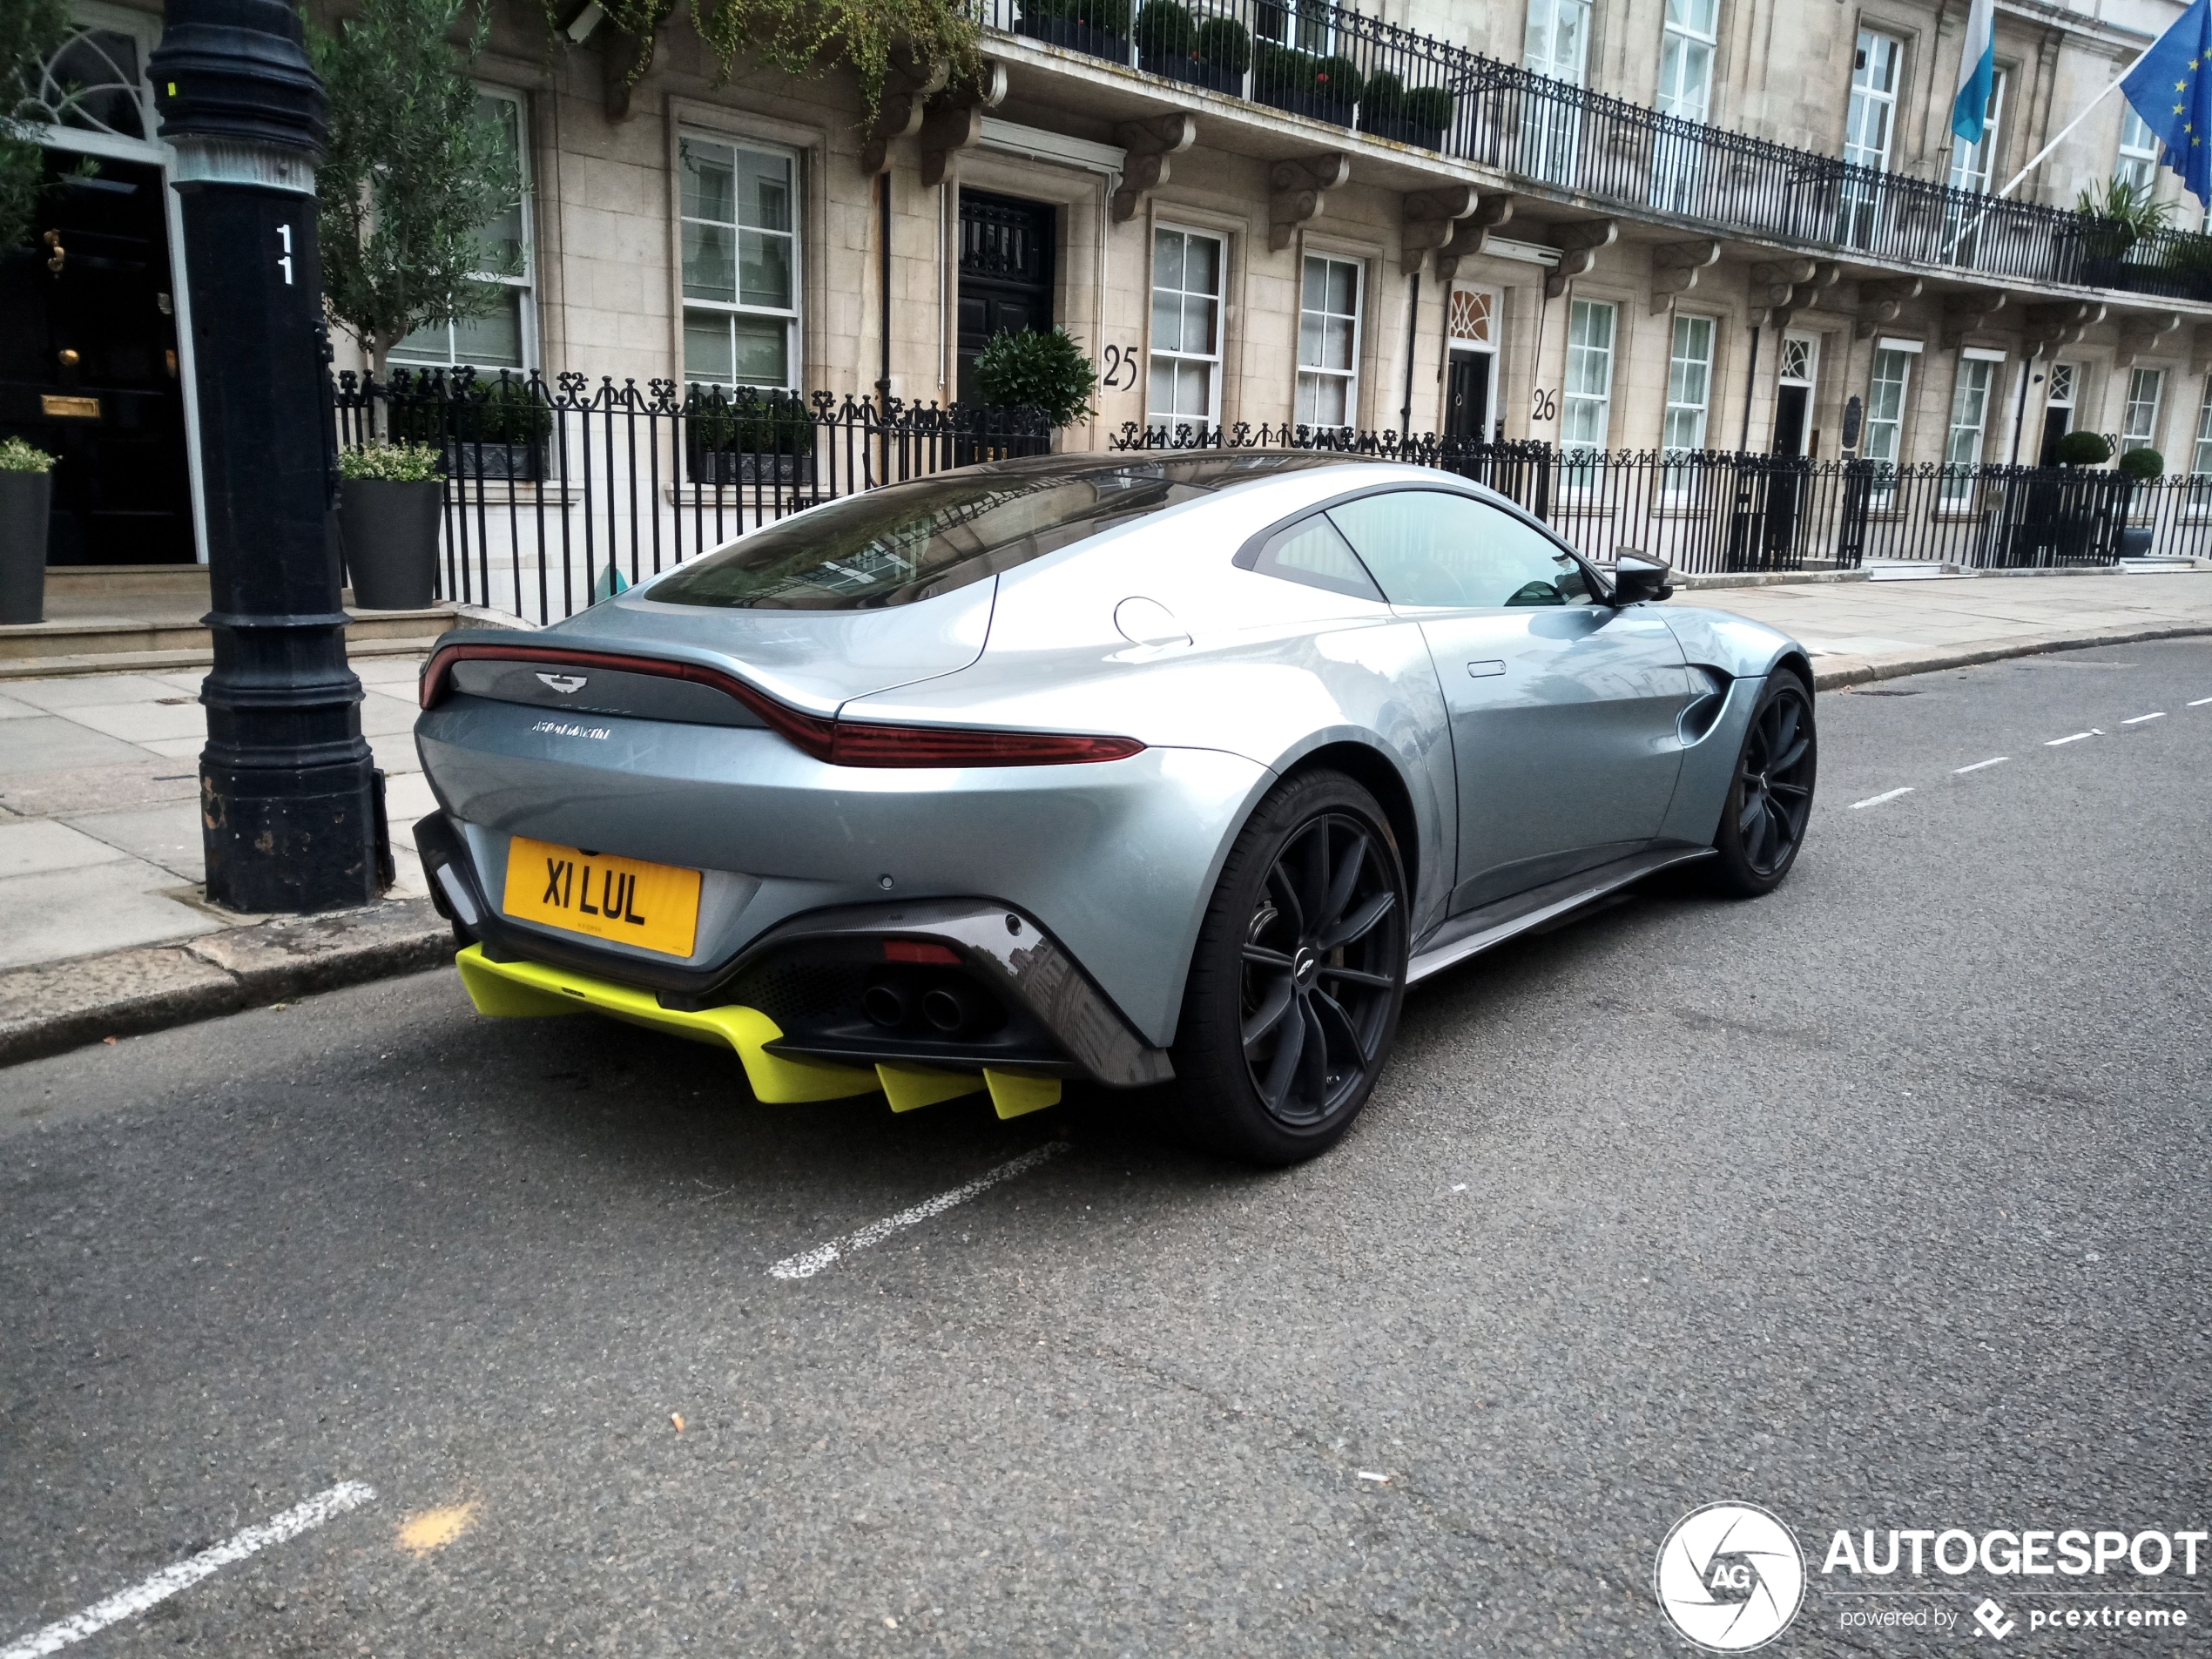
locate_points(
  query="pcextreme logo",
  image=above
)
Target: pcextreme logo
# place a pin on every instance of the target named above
(1730, 1577)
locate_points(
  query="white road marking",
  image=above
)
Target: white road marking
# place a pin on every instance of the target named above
(1876, 800)
(2076, 737)
(1376, 1475)
(2201, 702)
(1997, 760)
(812, 1262)
(2140, 718)
(182, 1576)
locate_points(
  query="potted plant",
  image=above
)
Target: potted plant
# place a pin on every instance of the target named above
(2080, 500)
(750, 438)
(1167, 39)
(1224, 48)
(2111, 225)
(26, 498)
(1034, 370)
(499, 430)
(1098, 28)
(1420, 116)
(1326, 89)
(388, 523)
(2136, 467)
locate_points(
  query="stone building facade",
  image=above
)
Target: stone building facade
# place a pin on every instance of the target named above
(1609, 266)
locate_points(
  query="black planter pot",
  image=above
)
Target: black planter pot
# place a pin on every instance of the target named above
(750, 467)
(1400, 129)
(1193, 71)
(1307, 104)
(391, 536)
(524, 463)
(1076, 36)
(25, 499)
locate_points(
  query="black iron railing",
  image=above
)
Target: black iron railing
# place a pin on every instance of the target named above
(558, 493)
(1330, 64)
(1714, 511)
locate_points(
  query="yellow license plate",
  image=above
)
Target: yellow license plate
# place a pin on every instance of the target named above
(655, 906)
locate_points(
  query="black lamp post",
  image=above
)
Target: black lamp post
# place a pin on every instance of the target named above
(288, 790)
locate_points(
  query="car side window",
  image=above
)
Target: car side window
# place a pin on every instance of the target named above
(1311, 551)
(1434, 547)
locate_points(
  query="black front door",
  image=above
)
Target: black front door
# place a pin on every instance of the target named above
(1790, 419)
(1467, 397)
(88, 365)
(2056, 420)
(1005, 273)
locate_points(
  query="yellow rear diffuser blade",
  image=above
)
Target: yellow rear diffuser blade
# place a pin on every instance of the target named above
(528, 989)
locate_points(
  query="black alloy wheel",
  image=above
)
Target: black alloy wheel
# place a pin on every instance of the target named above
(1297, 975)
(1323, 954)
(1770, 799)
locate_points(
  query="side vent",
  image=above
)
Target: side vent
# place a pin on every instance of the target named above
(1709, 695)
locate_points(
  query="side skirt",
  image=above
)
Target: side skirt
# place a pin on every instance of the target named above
(1463, 936)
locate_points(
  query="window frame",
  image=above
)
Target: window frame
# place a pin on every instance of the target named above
(1866, 96)
(1703, 408)
(1965, 174)
(793, 317)
(2137, 161)
(526, 284)
(2129, 439)
(1548, 11)
(1569, 398)
(1689, 38)
(1897, 422)
(1971, 370)
(1214, 359)
(1315, 373)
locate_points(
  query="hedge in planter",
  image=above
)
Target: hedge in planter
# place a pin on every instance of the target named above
(1420, 116)
(487, 428)
(750, 438)
(26, 502)
(387, 522)
(1226, 45)
(1324, 88)
(1099, 28)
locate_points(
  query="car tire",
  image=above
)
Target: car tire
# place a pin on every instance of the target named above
(1769, 797)
(1249, 1085)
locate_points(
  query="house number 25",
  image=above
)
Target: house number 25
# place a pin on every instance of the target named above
(1121, 369)
(284, 259)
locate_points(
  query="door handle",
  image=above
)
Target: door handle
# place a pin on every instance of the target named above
(53, 239)
(1484, 671)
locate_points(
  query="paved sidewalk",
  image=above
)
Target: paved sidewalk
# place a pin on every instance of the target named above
(103, 928)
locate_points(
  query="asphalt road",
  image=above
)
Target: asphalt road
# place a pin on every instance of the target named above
(1881, 1202)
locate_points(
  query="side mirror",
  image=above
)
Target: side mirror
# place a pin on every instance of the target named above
(1637, 578)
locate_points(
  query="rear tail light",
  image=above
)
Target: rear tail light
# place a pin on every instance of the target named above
(842, 742)
(914, 950)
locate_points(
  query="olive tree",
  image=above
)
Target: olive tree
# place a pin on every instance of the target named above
(414, 172)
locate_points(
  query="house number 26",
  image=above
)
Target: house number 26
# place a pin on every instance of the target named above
(284, 259)
(1547, 405)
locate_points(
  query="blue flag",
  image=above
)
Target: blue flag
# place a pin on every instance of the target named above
(2171, 89)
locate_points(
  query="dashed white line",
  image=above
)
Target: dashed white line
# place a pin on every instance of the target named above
(2201, 702)
(2140, 718)
(809, 1263)
(1876, 800)
(2076, 737)
(125, 1604)
(1994, 760)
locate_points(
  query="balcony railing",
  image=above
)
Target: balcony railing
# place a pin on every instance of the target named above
(1316, 59)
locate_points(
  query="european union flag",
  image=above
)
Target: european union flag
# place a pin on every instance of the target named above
(2171, 89)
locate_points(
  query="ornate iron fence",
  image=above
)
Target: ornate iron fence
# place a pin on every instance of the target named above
(558, 493)
(1713, 510)
(1315, 58)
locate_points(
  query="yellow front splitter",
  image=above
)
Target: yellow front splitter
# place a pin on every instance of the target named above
(530, 991)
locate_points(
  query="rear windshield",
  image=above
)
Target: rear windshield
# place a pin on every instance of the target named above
(910, 541)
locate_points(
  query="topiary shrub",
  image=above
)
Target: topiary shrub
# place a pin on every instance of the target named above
(2083, 449)
(1225, 43)
(1038, 371)
(1429, 106)
(2142, 464)
(1384, 96)
(1166, 28)
(1338, 80)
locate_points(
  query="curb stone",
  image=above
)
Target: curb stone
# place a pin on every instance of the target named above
(57, 1006)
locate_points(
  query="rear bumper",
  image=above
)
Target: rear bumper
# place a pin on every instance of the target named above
(1115, 861)
(1003, 948)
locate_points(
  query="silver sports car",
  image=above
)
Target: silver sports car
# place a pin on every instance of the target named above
(1153, 770)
